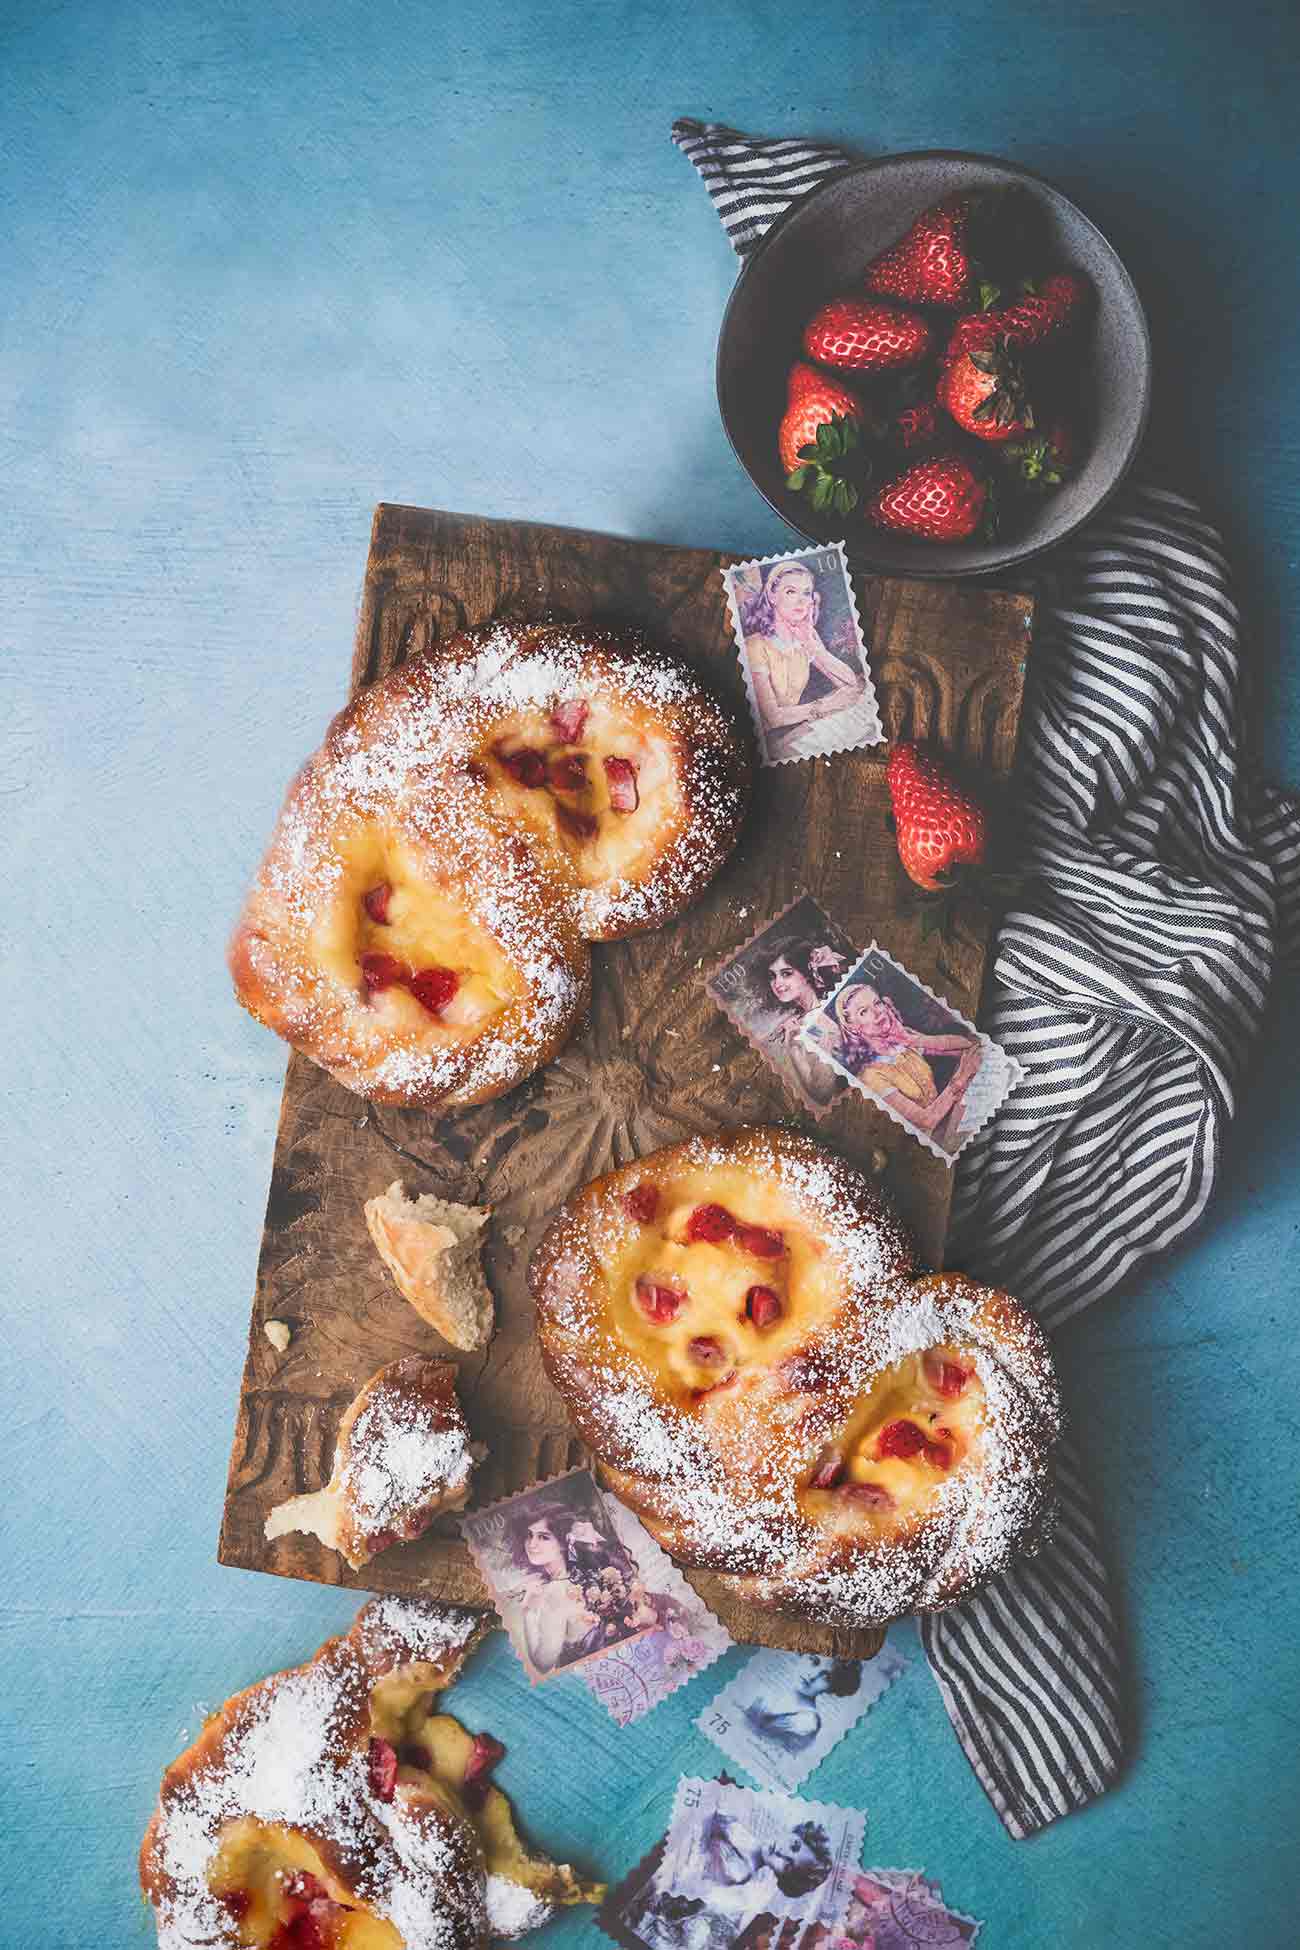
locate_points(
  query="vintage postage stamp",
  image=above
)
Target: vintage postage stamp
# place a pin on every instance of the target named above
(803, 655)
(890, 1036)
(774, 982)
(781, 1714)
(736, 1867)
(561, 1577)
(577, 1581)
(895, 1909)
(634, 1675)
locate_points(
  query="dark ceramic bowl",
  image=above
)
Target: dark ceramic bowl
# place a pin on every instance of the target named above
(821, 249)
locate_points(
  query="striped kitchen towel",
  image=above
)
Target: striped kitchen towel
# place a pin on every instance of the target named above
(1131, 989)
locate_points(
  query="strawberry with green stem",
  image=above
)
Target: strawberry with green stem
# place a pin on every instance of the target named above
(1044, 459)
(964, 250)
(942, 832)
(1038, 316)
(984, 391)
(813, 399)
(832, 469)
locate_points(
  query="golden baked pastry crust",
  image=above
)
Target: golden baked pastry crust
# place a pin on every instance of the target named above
(419, 923)
(402, 1456)
(781, 1394)
(305, 1792)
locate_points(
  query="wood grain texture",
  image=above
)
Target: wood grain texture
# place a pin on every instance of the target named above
(656, 1062)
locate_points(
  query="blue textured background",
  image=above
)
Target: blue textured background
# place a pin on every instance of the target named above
(262, 266)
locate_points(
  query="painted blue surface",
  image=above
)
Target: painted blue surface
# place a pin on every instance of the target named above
(262, 266)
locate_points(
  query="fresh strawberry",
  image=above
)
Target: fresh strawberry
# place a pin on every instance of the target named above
(1029, 321)
(930, 265)
(813, 399)
(858, 336)
(1043, 460)
(984, 390)
(939, 827)
(940, 500)
(833, 469)
(965, 250)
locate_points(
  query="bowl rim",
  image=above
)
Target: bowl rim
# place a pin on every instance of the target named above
(949, 572)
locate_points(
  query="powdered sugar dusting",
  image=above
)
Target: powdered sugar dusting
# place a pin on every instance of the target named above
(723, 1488)
(513, 1908)
(402, 1456)
(292, 1753)
(403, 765)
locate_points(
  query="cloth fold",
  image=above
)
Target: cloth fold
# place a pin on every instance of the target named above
(1131, 988)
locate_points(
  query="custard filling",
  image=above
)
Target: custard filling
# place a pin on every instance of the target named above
(592, 780)
(700, 1297)
(412, 950)
(277, 1888)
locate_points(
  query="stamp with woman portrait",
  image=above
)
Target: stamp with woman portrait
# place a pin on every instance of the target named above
(565, 1584)
(736, 1867)
(891, 1037)
(774, 982)
(781, 1714)
(803, 655)
(576, 1580)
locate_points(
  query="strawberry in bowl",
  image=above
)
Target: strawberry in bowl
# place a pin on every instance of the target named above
(936, 359)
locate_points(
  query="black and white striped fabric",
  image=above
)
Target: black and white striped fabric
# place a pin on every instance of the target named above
(1131, 989)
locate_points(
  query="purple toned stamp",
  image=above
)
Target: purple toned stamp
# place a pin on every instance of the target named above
(891, 1909)
(891, 1037)
(579, 1583)
(632, 1677)
(737, 1867)
(803, 655)
(781, 1714)
(774, 983)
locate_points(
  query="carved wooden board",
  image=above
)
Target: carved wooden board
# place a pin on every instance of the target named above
(657, 1061)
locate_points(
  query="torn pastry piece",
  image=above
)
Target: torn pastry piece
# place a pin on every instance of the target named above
(403, 1455)
(332, 1806)
(431, 1247)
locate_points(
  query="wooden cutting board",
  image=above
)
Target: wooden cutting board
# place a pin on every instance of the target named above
(657, 1061)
